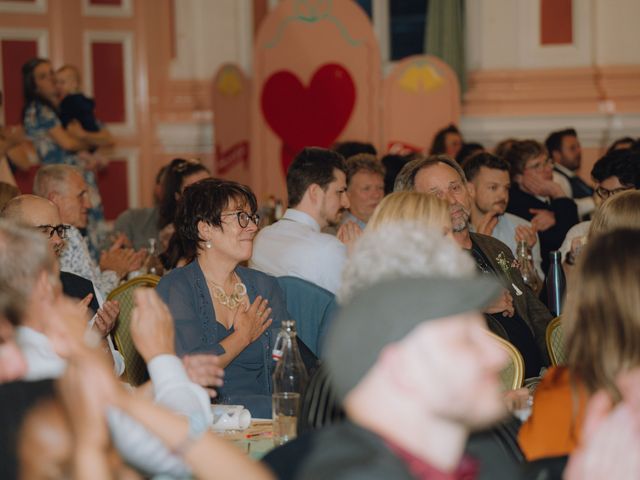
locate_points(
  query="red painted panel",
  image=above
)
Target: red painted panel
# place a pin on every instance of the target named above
(260, 10)
(108, 81)
(556, 22)
(113, 186)
(116, 3)
(24, 179)
(14, 54)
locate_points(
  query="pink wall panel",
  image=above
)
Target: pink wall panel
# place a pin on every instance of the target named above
(14, 54)
(108, 81)
(556, 22)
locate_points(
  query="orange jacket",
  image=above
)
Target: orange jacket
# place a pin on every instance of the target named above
(555, 425)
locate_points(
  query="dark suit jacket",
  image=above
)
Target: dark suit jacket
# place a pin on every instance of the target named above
(564, 209)
(532, 310)
(78, 287)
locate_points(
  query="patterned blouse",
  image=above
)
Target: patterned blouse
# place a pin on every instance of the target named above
(38, 120)
(76, 259)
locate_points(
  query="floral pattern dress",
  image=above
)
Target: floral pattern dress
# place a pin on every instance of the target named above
(38, 120)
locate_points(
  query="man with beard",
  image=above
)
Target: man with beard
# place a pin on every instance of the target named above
(517, 315)
(488, 183)
(565, 151)
(294, 245)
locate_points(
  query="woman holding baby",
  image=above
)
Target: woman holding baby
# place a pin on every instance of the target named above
(52, 141)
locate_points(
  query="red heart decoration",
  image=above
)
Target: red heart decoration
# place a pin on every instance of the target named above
(308, 116)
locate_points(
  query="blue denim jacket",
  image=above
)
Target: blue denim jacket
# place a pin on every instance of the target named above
(248, 377)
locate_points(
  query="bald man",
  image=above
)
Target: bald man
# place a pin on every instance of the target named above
(43, 215)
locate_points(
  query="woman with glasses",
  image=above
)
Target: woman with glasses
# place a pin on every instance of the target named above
(219, 306)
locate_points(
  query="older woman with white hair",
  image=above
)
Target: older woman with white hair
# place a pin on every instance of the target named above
(399, 242)
(408, 236)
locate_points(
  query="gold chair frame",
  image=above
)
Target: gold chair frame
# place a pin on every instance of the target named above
(551, 330)
(515, 357)
(132, 360)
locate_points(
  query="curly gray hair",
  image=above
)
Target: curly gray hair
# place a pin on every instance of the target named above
(399, 250)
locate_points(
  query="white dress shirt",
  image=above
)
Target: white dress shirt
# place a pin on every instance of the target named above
(577, 231)
(585, 205)
(172, 389)
(295, 246)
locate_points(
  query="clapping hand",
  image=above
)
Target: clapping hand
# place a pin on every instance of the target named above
(152, 328)
(542, 219)
(106, 316)
(205, 370)
(254, 321)
(122, 260)
(488, 222)
(504, 305)
(526, 234)
(348, 233)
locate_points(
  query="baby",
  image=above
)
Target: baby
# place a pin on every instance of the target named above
(74, 105)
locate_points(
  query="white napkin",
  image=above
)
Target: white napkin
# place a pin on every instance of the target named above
(230, 417)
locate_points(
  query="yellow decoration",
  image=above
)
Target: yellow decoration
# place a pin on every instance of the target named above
(425, 77)
(229, 82)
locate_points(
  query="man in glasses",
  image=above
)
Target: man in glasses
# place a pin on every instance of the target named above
(42, 215)
(535, 197)
(616, 172)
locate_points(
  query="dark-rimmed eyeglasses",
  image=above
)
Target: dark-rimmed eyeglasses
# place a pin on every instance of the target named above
(243, 218)
(540, 165)
(605, 193)
(49, 230)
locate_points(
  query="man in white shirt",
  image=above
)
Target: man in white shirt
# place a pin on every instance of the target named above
(294, 245)
(488, 185)
(565, 151)
(29, 270)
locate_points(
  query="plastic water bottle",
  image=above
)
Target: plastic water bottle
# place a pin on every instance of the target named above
(289, 382)
(555, 283)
